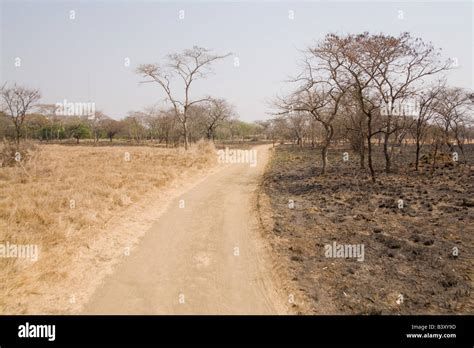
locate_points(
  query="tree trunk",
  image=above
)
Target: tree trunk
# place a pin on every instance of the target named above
(417, 154)
(369, 147)
(362, 153)
(433, 165)
(386, 153)
(324, 157)
(17, 138)
(324, 151)
(185, 130)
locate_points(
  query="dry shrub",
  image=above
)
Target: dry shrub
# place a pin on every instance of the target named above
(441, 158)
(12, 154)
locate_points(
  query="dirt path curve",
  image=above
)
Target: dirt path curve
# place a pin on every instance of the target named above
(205, 258)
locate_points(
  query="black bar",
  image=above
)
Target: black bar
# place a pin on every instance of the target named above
(288, 330)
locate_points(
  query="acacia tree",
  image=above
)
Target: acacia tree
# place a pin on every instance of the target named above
(281, 130)
(217, 112)
(298, 122)
(55, 121)
(16, 102)
(169, 129)
(355, 127)
(454, 115)
(78, 129)
(187, 67)
(319, 93)
(351, 55)
(95, 123)
(134, 125)
(322, 103)
(402, 65)
(428, 100)
(383, 71)
(111, 127)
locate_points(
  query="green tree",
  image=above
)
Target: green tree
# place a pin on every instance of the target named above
(78, 131)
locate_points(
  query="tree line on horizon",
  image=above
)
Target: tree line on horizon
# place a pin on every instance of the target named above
(349, 88)
(184, 119)
(138, 127)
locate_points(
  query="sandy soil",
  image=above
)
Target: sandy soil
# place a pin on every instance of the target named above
(203, 257)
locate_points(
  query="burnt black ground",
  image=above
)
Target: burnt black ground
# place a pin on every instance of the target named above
(409, 266)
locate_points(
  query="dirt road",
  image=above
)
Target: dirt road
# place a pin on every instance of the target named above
(203, 256)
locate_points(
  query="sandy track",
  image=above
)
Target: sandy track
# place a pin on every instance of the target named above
(205, 258)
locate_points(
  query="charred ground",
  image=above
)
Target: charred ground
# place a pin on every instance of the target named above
(409, 265)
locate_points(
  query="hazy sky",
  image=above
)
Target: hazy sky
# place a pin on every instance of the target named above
(83, 59)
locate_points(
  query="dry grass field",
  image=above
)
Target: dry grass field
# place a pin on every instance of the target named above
(63, 197)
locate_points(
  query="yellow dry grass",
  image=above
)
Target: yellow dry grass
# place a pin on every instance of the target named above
(64, 195)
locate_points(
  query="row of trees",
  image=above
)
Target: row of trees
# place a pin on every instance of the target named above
(214, 120)
(356, 87)
(183, 117)
(351, 88)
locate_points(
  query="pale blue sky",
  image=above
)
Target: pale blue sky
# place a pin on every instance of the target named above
(83, 59)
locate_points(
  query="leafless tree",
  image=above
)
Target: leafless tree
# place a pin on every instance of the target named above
(95, 123)
(355, 126)
(187, 66)
(217, 111)
(134, 124)
(111, 127)
(402, 65)
(16, 102)
(319, 93)
(54, 121)
(382, 71)
(298, 123)
(427, 109)
(281, 130)
(454, 110)
(350, 57)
